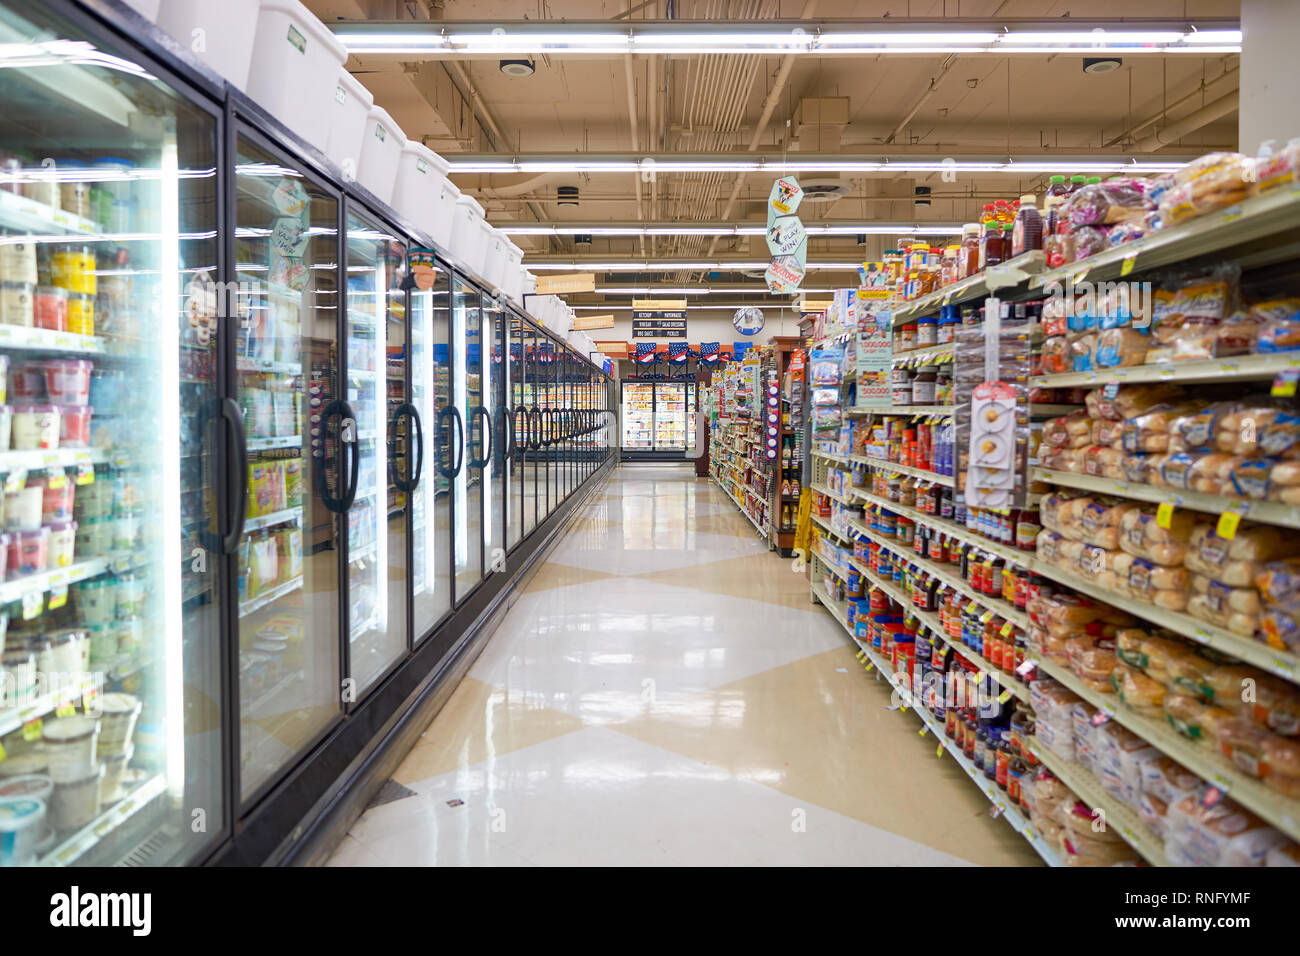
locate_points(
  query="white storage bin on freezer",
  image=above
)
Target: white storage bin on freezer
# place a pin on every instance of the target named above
(349, 111)
(381, 153)
(530, 283)
(227, 41)
(295, 68)
(444, 217)
(468, 241)
(496, 259)
(420, 174)
(513, 283)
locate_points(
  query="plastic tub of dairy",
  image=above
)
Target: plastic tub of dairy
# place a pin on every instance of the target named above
(468, 241)
(29, 552)
(76, 800)
(496, 258)
(130, 595)
(28, 383)
(294, 68)
(35, 426)
(94, 535)
(70, 746)
(63, 543)
(67, 381)
(381, 153)
(34, 786)
(22, 824)
(23, 507)
(223, 28)
(349, 110)
(420, 172)
(110, 788)
(513, 282)
(71, 649)
(33, 763)
(74, 426)
(120, 712)
(57, 495)
(96, 600)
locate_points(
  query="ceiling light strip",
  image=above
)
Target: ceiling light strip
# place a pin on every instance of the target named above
(795, 165)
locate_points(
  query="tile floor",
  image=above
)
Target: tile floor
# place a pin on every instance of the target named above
(664, 693)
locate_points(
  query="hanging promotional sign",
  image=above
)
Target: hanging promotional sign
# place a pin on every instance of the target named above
(785, 197)
(784, 275)
(786, 235)
(748, 321)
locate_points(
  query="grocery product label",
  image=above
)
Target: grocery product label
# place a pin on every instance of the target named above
(297, 40)
(381, 134)
(340, 94)
(32, 729)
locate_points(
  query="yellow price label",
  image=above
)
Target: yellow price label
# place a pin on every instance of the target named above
(1130, 259)
(3, 755)
(1004, 697)
(1079, 277)
(972, 607)
(32, 729)
(1227, 526)
(58, 597)
(1165, 515)
(1007, 628)
(33, 604)
(986, 617)
(938, 751)
(870, 666)
(923, 731)
(65, 710)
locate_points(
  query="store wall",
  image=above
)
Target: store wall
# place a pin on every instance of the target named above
(1270, 108)
(705, 325)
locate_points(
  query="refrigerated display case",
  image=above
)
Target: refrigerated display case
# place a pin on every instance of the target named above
(670, 416)
(638, 416)
(111, 704)
(658, 419)
(255, 487)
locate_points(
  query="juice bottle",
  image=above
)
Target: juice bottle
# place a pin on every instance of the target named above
(1093, 180)
(988, 215)
(969, 258)
(1056, 186)
(1077, 183)
(1027, 234)
(991, 245)
(1002, 211)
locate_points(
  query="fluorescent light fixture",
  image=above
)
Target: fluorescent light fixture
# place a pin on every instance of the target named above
(794, 164)
(826, 38)
(642, 265)
(847, 229)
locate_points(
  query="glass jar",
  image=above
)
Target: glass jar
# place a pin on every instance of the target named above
(927, 332)
(969, 256)
(1027, 234)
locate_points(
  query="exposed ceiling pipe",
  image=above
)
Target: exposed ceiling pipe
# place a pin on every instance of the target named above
(929, 92)
(1168, 135)
(1200, 91)
(631, 119)
(764, 117)
(521, 188)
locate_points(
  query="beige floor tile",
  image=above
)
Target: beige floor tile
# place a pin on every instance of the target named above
(480, 722)
(551, 575)
(758, 577)
(823, 736)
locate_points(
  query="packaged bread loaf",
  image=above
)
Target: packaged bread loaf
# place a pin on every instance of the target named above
(1152, 811)
(1057, 357)
(1276, 705)
(1072, 431)
(1107, 433)
(1138, 692)
(1280, 169)
(1186, 673)
(1215, 181)
(1225, 834)
(1104, 462)
(1129, 401)
(1162, 586)
(1267, 756)
(1286, 855)
(1158, 652)
(1121, 347)
(1280, 332)
(1279, 581)
(1235, 561)
(1279, 627)
(1169, 780)
(1195, 719)
(1282, 755)
(1142, 536)
(1149, 431)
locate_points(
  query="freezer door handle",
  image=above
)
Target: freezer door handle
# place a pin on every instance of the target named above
(534, 416)
(238, 473)
(414, 454)
(341, 409)
(506, 418)
(352, 450)
(484, 435)
(446, 468)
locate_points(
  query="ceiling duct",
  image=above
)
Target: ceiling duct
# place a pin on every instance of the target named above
(825, 189)
(566, 195)
(819, 123)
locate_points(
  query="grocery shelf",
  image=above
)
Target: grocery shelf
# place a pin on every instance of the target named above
(1246, 790)
(822, 489)
(279, 441)
(1269, 512)
(1238, 368)
(997, 605)
(923, 356)
(82, 841)
(761, 530)
(1050, 410)
(16, 587)
(1012, 815)
(24, 214)
(48, 340)
(1119, 818)
(826, 526)
(883, 464)
(1282, 663)
(953, 529)
(268, 367)
(266, 597)
(34, 459)
(13, 718)
(276, 517)
(838, 459)
(901, 410)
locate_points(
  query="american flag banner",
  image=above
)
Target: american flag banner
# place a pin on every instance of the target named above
(645, 353)
(709, 352)
(678, 352)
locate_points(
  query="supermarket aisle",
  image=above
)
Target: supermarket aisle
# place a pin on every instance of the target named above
(663, 692)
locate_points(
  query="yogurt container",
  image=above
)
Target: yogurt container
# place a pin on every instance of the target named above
(120, 712)
(94, 500)
(110, 788)
(72, 650)
(103, 646)
(22, 765)
(74, 426)
(130, 595)
(34, 786)
(94, 536)
(126, 528)
(76, 800)
(57, 494)
(28, 380)
(23, 507)
(18, 666)
(18, 262)
(17, 303)
(70, 745)
(67, 381)
(28, 551)
(50, 308)
(97, 600)
(130, 631)
(63, 542)
(35, 426)
(22, 825)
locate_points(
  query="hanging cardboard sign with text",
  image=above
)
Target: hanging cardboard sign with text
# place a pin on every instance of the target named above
(563, 285)
(585, 322)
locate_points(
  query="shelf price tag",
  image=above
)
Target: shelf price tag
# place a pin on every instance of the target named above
(986, 617)
(15, 480)
(1228, 521)
(85, 474)
(1284, 385)
(66, 709)
(1130, 259)
(1004, 697)
(3, 755)
(923, 731)
(58, 597)
(32, 729)
(1165, 515)
(1007, 628)
(33, 604)
(938, 751)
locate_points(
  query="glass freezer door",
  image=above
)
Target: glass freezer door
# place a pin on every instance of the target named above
(492, 430)
(467, 396)
(109, 326)
(299, 472)
(638, 416)
(670, 416)
(514, 446)
(375, 513)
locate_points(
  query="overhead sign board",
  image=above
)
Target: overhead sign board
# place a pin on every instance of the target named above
(784, 275)
(658, 324)
(785, 235)
(585, 322)
(562, 285)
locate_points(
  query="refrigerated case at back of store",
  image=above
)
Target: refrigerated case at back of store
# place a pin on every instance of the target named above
(638, 416)
(111, 723)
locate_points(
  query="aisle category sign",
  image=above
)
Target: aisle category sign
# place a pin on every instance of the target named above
(875, 348)
(659, 324)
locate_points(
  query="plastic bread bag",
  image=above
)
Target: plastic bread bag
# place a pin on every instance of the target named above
(1139, 467)
(1062, 459)
(1149, 431)
(1138, 692)
(1100, 520)
(1129, 401)
(1047, 547)
(1279, 581)
(1263, 428)
(1164, 587)
(1280, 169)
(1104, 462)
(1143, 536)
(1151, 811)
(1088, 241)
(1195, 719)
(1161, 657)
(1283, 480)
(1121, 347)
(1092, 662)
(1213, 192)
(1287, 855)
(1212, 474)
(1267, 756)
(1130, 231)
(1203, 607)
(1083, 345)
(1057, 356)
(1187, 674)
(1223, 835)
(1282, 755)
(1279, 327)
(1070, 431)
(1107, 433)
(1236, 561)
(1169, 780)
